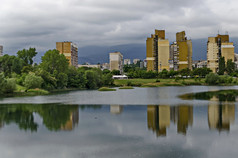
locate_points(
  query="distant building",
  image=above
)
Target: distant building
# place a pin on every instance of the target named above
(157, 52)
(105, 66)
(217, 47)
(116, 61)
(173, 56)
(127, 61)
(145, 62)
(70, 50)
(90, 66)
(135, 61)
(236, 60)
(1, 50)
(199, 63)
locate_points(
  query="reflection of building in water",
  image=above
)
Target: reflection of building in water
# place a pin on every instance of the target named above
(116, 109)
(158, 119)
(70, 124)
(183, 116)
(220, 116)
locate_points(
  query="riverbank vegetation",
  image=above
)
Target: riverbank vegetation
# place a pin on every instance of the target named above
(20, 77)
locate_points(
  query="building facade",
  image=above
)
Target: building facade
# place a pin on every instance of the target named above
(217, 47)
(127, 61)
(1, 50)
(157, 52)
(135, 61)
(182, 52)
(70, 50)
(116, 61)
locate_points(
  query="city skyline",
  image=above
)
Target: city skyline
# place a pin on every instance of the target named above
(101, 23)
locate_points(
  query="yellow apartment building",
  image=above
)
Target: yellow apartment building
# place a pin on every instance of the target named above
(70, 50)
(184, 51)
(157, 51)
(217, 47)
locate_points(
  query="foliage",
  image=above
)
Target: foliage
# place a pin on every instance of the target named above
(212, 79)
(54, 62)
(2, 83)
(106, 89)
(221, 66)
(115, 72)
(230, 67)
(76, 78)
(107, 79)
(62, 80)
(33, 81)
(38, 91)
(10, 64)
(10, 85)
(27, 55)
(201, 72)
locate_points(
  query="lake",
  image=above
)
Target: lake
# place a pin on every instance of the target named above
(142, 122)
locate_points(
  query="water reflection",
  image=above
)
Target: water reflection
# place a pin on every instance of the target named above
(116, 109)
(160, 116)
(55, 117)
(220, 115)
(221, 95)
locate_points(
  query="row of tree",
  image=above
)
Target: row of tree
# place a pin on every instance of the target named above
(52, 73)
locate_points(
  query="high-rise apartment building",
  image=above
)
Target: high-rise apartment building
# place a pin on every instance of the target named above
(157, 52)
(181, 52)
(217, 47)
(70, 50)
(1, 50)
(116, 61)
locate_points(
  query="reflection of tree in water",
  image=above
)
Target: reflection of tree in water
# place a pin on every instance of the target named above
(54, 116)
(21, 116)
(222, 95)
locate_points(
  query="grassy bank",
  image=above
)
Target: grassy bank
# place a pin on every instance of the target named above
(157, 82)
(106, 89)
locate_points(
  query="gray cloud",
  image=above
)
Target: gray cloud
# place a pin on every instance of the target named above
(106, 22)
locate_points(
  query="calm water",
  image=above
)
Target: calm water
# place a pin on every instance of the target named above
(74, 125)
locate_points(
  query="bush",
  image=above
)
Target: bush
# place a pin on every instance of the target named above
(157, 80)
(129, 83)
(10, 85)
(32, 81)
(212, 79)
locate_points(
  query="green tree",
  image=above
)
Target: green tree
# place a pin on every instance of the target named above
(62, 80)
(221, 66)
(230, 67)
(107, 79)
(2, 83)
(54, 61)
(10, 64)
(76, 78)
(115, 72)
(10, 85)
(27, 55)
(33, 81)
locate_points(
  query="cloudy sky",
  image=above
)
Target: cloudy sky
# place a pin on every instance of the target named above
(40, 23)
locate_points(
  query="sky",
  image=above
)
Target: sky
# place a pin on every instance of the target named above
(41, 23)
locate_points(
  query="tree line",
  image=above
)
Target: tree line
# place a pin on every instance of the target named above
(54, 72)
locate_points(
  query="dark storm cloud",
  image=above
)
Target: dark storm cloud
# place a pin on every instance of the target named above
(108, 22)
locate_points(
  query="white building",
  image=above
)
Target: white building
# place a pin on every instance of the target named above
(135, 61)
(116, 61)
(127, 61)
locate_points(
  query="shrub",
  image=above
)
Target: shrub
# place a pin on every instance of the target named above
(212, 79)
(10, 85)
(129, 83)
(32, 81)
(157, 80)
